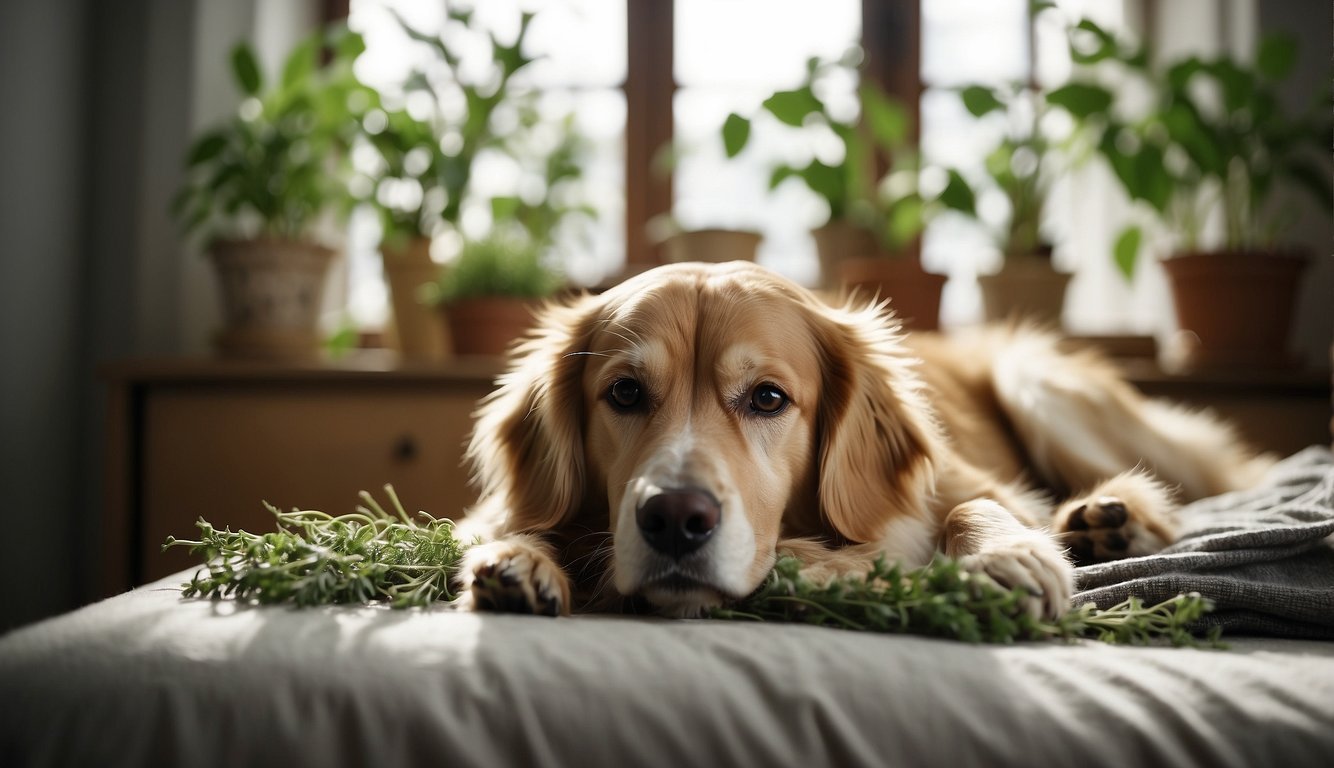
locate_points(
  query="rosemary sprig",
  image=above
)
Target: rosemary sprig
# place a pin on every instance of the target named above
(942, 599)
(373, 555)
(316, 559)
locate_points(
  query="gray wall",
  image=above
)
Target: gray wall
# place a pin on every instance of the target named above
(41, 264)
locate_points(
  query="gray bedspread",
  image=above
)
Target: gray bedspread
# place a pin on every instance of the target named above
(148, 678)
(1263, 556)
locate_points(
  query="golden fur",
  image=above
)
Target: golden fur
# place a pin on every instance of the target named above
(888, 444)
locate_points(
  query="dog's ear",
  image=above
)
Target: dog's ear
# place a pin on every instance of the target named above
(878, 438)
(527, 444)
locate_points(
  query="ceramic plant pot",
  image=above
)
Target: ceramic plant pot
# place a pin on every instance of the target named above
(1026, 287)
(272, 290)
(487, 325)
(839, 241)
(1238, 304)
(419, 336)
(913, 293)
(712, 245)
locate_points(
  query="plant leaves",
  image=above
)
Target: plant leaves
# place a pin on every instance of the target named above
(1314, 179)
(1103, 44)
(792, 107)
(1276, 56)
(1081, 100)
(781, 174)
(301, 62)
(1125, 253)
(736, 132)
(887, 118)
(207, 147)
(958, 195)
(980, 100)
(245, 69)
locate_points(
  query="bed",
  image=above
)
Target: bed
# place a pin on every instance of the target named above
(147, 678)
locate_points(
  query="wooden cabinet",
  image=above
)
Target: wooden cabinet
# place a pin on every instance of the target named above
(214, 440)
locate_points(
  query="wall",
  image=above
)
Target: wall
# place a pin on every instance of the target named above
(41, 206)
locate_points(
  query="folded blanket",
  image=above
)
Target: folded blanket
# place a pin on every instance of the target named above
(1264, 556)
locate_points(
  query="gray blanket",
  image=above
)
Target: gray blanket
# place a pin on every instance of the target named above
(1264, 556)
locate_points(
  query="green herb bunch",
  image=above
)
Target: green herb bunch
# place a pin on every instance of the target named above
(317, 559)
(942, 599)
(372, 555)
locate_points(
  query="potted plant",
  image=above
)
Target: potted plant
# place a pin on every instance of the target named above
(1019, 167)
(1214, 143)
(872, 215)
(424, 184)
(487, 296)
(256, 184)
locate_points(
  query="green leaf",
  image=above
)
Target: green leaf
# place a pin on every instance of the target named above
(980, 100)
(245, 69)
(781, 174)
(736, 132)
(1082, 100)
(209, 146)
(826, 181)
(887, 118)
(905, 220)
(1276, 56)
(1126, 251)
(1238, 84)
(301, 62)
(505, 207)
(792, 107)
(958, 195)
(1093, 46)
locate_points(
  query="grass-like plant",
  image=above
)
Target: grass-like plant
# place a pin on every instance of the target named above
(505, 263)
(376, 555)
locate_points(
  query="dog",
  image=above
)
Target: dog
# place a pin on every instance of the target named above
(664, 442)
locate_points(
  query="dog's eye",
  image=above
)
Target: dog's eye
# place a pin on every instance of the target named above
(768, 400)
(625, 394)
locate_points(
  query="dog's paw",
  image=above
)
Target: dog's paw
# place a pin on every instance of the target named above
(513, 576)
(1102, 528)
(1036, 566)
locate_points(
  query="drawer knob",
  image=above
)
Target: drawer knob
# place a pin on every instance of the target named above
(405, 448)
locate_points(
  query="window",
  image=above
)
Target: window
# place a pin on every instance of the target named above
(575, 79)
(730, 56)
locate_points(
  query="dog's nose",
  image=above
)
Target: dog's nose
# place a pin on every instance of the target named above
(678, 522)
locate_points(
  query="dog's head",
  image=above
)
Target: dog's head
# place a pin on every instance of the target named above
(696, 412)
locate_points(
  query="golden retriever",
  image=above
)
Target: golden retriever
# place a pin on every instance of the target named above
(666, 441)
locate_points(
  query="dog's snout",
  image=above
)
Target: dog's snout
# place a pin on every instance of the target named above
(678, 522)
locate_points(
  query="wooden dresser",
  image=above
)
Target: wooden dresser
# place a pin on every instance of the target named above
(211, 439)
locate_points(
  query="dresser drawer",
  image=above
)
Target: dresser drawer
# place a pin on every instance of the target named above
(192, 439)
(216, 452)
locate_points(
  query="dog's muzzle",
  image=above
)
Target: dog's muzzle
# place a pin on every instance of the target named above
(677, 522)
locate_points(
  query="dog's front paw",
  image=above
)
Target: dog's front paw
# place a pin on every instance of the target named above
(1038, 568)
(1102, 528)
(513, 576)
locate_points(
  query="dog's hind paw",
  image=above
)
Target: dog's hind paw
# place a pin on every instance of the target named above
(513, 576)
(1097, 529)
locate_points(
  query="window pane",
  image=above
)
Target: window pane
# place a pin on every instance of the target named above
(580, 46)
(730, 56)
(759, 42)
(969, 41)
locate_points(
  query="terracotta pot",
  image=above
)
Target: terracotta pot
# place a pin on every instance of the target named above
(712, 245)
(487, 325)
(419, 336)
(913, 293)
(272, 290)
(838, 241)
(1026, 287)
(1238, 304)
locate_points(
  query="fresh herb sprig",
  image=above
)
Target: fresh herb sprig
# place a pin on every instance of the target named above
(942, 599)
(317, 559)
(372, 555)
